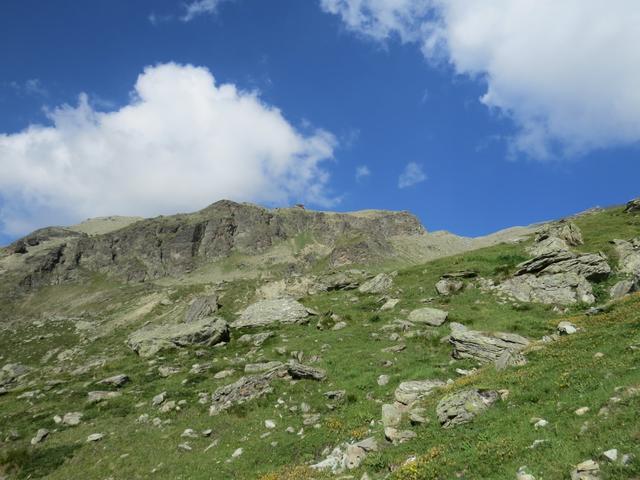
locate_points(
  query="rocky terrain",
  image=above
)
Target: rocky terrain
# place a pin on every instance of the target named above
(240, 342)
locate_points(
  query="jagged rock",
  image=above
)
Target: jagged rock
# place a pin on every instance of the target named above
(523, 474)
(566, 328)
(411, 391)
(201, 307)
(256, 339)
(98, 396)
(115, 381)
(484, 347)
(241, 391)
(398, 436)
(300, 371)
(461, 407)
(628, 256)
(633, 206)
(391, 415)
(449, 286)
(348, 280)
(564, 230)
(251, 387)
(429, 316)
(11, 373)
(624, 287)
(587, 470)
(95, 437)
(588, 265)
(268, 312)
(378, 284)
(206, 332)
(547, 246)
(389, 304)
(261, 367)
(71, 419)
(560, 289)
(40, 436)
(347, 456)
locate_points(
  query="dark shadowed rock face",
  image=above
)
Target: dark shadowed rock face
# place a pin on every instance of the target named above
(174, 245)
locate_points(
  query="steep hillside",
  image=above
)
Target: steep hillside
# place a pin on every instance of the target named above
(515, 360)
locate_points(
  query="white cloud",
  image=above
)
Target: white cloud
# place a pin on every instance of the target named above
(362, 171)
(411, 175)
(180, 144)
(200, 7)
(567, 72)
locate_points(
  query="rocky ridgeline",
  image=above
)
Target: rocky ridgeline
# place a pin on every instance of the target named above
(174, 245)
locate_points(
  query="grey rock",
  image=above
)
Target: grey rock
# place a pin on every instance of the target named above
(72, 419)
(206, 332)
(256, 339)
(429, 316)
(261, 367)
(559, 288)
(484, 347)
(411, 391)
(547, 246)
(588, 265)
(268, 312)
(40, 436)
(391, 415)
(300, 371)
(566, 328)
(398, 436)
(628, 253)
(449, 286)
(95, 437)
(624, 287)
(201, 307)
(11, 373)
(378, 284)
(389, 304)
(115, 381)
(461, 407)
(564, 230)
(633, 206)
(99, 396)
(587, 470)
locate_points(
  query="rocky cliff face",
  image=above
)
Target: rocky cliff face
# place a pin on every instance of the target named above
(174, 245)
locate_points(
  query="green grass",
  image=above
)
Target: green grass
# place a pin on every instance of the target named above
(558, 379)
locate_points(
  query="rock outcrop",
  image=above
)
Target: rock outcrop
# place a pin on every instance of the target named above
(484, 347)
(628, 256)
(201, 307)
(147, 342)
(633, 206)
(428, 316)
(463, 406)
(268, 312)
(378, 284)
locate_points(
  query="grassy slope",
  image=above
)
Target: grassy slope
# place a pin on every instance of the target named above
(557, 380)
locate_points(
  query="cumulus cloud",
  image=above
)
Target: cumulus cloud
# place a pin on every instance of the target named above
(362, 171)
(181, 143)
(567, 72)
(200, 7)
(412, 174)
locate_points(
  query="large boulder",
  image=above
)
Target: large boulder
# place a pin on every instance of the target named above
(205, 332)
(449, 286)
(628, 256)
(559, 288)
(268, 312)
(588, 265)
(564, 230)
(633, 206)
(378, 284)
(11, 373)
(243, 390)
(484, 347)
(201, 307)
(429, 316)
(461, 407)
(624, 287)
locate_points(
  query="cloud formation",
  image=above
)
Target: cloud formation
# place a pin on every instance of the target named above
(412, 174)
(566, 72)
(200, 7)
(181, 143)
(362, 171)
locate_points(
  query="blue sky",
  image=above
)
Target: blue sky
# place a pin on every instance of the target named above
(338, 104)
